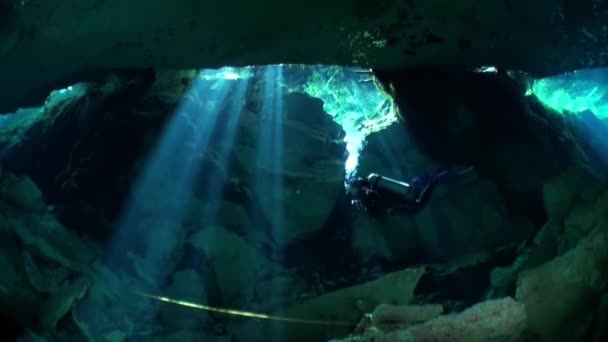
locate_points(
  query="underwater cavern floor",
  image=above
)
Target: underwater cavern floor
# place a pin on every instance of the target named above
(230, 193)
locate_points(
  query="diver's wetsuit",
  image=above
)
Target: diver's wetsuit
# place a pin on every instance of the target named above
(377, 193)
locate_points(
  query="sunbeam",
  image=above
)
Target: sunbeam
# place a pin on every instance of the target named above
(170, 169)
(356, 101)
(582, 98)
(227, 130)
(270, 159)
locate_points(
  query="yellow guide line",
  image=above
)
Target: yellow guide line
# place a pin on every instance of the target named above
(241, 313)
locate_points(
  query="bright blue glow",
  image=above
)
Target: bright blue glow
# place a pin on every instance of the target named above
(355, 100)
(582, 98)
(227, 128)
(161, 194)
(14, 125)
(270, 153)
(576, 92)
(227, 73)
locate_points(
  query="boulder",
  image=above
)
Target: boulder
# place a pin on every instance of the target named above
(22, 192)
(332, 314)
(187, 285)
(568, 288)
(227, 253)
(494, 320)
(295, 174)
(562, 192)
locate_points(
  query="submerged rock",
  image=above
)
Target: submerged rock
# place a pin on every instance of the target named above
(22, 192)
(332, 314)
(568, 288)
(562, 192)
(494, 320)
(60, 303)
(238, 266)
(561, 275)
(295, 180)
(187, 285)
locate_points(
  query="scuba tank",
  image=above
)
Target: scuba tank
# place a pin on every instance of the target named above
(383, 183)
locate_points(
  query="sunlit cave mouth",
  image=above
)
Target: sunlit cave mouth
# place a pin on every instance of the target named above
(575, 93)
(355, 100)
(353, 97)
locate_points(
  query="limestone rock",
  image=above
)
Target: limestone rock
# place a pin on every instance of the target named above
(494, 320)
(393, 317)
(566, 289)
(336, 312)
(22, 192)
(50, 239)
(44, 275)
(17, 297)
(305, 167)
(562, 192)
(238, 266)
(578, 224)
(543, 248)
(60, 303)
(113, 307)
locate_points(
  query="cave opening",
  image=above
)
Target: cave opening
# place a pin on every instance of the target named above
(242, 150)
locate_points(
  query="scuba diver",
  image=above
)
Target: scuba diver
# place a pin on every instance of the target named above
(376, 193)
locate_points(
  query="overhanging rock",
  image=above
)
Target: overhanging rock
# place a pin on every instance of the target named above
(47, 44)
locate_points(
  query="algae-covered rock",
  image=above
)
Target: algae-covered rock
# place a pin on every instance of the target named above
(21, 192)
(544, 247)
(562, 192)
(17, 297)
(580, 221)
(48, 238)
(61, 302)
(296, 176)
(114, 307)
(45, 278)
(238, 266)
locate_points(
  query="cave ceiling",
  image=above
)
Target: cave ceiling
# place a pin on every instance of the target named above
(48, 44)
